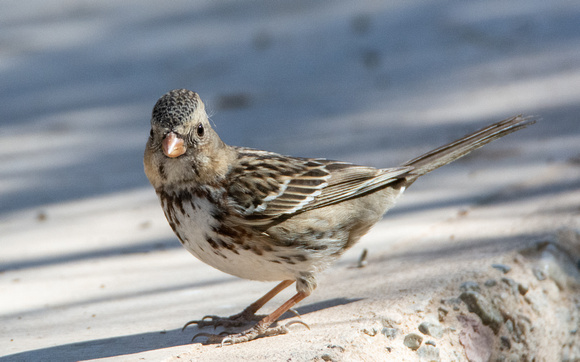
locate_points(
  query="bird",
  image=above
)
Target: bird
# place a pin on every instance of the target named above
(264, 216)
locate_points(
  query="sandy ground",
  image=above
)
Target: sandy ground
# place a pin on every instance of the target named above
(89, 269)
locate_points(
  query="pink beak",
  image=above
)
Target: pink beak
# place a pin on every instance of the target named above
(172, 145)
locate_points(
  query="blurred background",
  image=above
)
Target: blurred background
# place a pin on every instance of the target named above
(371, 82)
(367, 82)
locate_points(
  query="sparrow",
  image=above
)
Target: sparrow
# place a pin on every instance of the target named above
(264, 216)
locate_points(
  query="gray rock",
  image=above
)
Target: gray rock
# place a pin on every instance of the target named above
(502, 268)
(511, 284)
(505, 343)
(476, 303)
(469, 285)
(413, 341)
(490, 283)
(429, 353)
(390, 333)
(539, 274)
(431, 329)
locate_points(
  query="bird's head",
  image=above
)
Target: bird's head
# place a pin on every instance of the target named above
(182, 145)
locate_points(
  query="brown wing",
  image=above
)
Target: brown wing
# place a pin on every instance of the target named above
(266, 185)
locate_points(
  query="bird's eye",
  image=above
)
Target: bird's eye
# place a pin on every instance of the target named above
(151, 134)
(200, 130)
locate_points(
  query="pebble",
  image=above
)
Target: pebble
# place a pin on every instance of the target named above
(510, 283)
(442, 313)
(429, 353)
(505, 342)
(523, 288)
(413, 341)
(370, 331)
(502, 268)
(509, 325)
(490, 283)
(476, 303)
(539, 274)
(431, 329)
(390, 333)
(467, 286)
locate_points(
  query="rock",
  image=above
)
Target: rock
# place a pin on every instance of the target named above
(442, 313)
(476, 303)
(511, 284)
(390, 333)
(469, 285)
(476, 339)
(370, 331)
(429, 353)
(431, 329)
(502, 268)
(413, 341)
(505, 342)
(326, 357)
(554, 261)
(539, 274)
(523, 288)
(490, 283)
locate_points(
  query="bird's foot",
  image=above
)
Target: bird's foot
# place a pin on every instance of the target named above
(236, 320)
(257, 331)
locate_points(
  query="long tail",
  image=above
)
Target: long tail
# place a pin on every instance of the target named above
(454, 150)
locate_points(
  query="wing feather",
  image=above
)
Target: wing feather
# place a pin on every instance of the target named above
(266, 185)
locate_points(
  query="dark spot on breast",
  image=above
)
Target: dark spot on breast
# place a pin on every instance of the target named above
(267, 248)
(256, 250)
(287, 260)
(219, 216)
(224, 230)
(300, 257)
(212, 243)
(216, 252)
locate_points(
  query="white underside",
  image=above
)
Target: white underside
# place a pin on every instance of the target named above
(246, 264)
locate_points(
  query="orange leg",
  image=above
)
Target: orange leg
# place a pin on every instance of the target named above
(262, 328)
(254, 307)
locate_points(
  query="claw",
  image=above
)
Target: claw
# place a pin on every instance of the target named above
(297, 322)
(295, 312)
(226, 340)
(190, 323)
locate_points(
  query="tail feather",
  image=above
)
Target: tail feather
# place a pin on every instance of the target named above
(459, 148)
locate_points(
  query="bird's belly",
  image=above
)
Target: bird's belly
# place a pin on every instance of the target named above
(196, 227)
